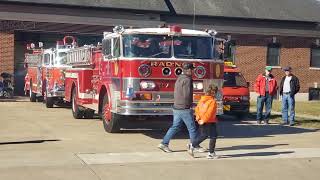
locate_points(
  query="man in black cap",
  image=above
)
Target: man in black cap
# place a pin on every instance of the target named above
(289, 86)
(182, 108)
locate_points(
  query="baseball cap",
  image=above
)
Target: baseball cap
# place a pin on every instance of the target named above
(268, 68)
(188, 66)
(286, 68)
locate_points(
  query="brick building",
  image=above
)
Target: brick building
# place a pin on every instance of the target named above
(274, 32)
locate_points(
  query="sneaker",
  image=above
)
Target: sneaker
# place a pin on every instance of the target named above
(212, 156)
(258, 122)
(266, 122)
(200, 149)
(190, 150)
(164, 148)
(291, 124)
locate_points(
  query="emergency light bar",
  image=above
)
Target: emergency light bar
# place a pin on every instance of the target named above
(175, 30)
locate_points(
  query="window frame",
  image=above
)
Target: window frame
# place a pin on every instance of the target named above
(314, 47)
(273, 45)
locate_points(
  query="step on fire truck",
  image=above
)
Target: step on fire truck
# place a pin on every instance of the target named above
(45, 71)
(134, 71)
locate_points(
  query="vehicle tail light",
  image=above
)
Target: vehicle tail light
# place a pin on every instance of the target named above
(144, 70)
(147, 85)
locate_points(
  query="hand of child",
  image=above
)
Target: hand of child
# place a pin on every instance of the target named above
(200, 122)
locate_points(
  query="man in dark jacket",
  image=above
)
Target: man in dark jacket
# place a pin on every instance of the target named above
(266, 87)
(182, 112)
(289, 86)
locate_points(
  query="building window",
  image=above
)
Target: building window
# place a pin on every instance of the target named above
(273, 55)
(315, 57)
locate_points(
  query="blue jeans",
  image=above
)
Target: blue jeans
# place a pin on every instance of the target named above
(261, 101)
(288, 104)
(179, 117)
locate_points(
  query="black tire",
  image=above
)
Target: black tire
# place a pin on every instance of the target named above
(88, 114)
(40, 99)
(32, 95)
(76, 112)
(111, 125)
(49, 100)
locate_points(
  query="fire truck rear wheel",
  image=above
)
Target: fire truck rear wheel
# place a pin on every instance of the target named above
(111, 121)
(32, 95)
(49, 102)
(76, 112)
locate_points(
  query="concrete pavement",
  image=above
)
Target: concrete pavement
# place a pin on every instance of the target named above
(39, 143)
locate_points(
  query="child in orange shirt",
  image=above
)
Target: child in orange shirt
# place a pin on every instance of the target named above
(206, 117)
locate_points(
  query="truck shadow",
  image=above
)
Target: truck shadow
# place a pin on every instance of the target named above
(228, 127)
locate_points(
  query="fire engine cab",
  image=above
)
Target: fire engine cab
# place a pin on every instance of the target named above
(236, 95)
(133, 72)
(45, 73)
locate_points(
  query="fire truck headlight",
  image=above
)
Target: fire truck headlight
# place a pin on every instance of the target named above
(144, 70)
(147, 85)
(198, 86)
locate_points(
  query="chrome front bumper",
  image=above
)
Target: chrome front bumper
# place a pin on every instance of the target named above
(145, 108)
(148, 108)
(56, 93)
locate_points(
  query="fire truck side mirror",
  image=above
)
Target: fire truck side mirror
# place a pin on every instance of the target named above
(26, 65)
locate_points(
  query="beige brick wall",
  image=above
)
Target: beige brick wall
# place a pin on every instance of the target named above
(6, 52)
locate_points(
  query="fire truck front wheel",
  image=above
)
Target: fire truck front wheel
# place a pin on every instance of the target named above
(76, 111)
(111, 121)
(32, 95)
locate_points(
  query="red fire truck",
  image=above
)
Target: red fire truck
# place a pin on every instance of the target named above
(133, 72)
(45, 73)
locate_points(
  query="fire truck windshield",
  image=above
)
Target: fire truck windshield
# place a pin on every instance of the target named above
(61, 58)
(193, 47)
(160, 46)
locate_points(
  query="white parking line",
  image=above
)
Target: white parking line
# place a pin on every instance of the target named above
(159, 156)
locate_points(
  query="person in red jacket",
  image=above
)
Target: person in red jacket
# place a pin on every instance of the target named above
(205, 113)
(266, 87)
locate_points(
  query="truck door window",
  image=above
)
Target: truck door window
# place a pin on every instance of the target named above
(46, 59)
(116, 47)
(106, 47)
